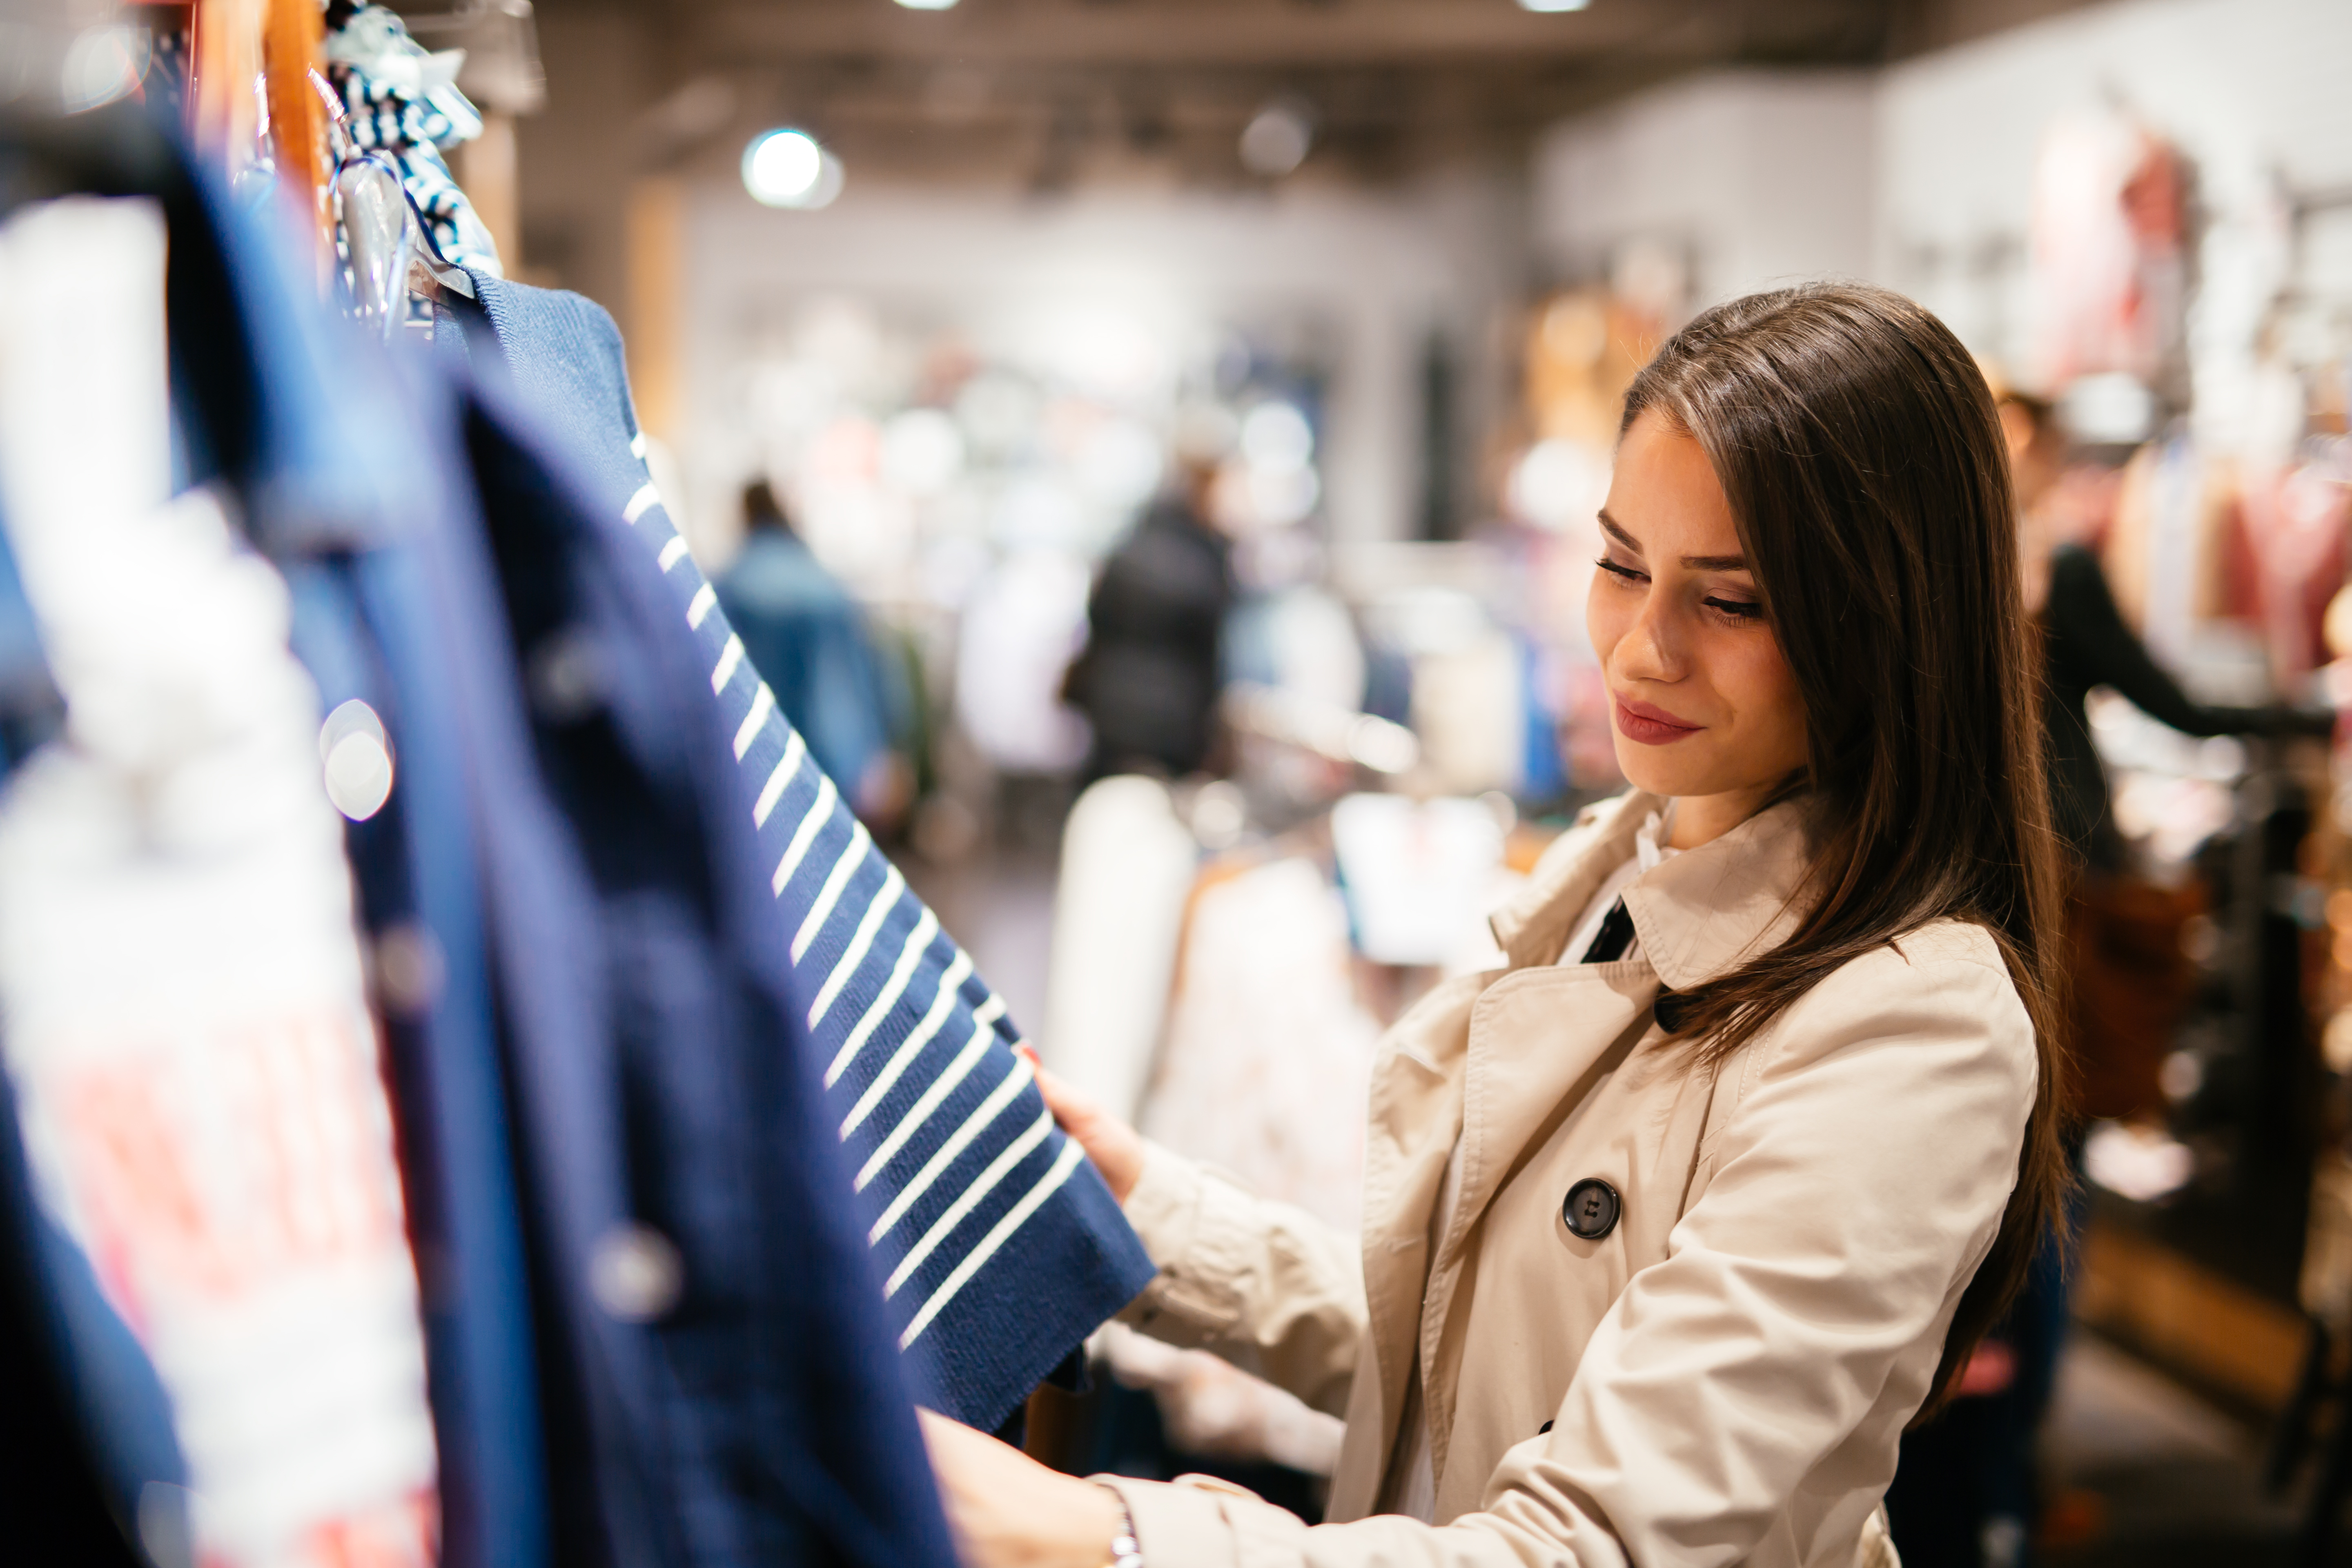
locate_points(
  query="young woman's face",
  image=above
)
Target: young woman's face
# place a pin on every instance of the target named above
(1704, 707)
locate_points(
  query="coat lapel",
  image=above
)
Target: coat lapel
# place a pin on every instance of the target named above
(1539, 1041)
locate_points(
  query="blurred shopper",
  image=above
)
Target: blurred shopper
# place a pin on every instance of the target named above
(809, 641)
(2087, 645)
(1967, 1493)
(1149, 678)
(1676, 1220)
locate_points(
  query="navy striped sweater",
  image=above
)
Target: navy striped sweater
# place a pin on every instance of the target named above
(999, 1247)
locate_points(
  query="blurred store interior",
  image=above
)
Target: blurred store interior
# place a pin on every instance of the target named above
(1341, 294)
(1152, 450)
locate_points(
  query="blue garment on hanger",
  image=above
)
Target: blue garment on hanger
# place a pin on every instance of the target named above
(1001, 1248)
(734, 1397)
(310, 426)
(711, 1384)
(715, 1385)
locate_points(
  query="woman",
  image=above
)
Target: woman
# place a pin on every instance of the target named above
(1673, 1223)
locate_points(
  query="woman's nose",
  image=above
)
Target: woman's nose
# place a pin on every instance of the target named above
(1649, 650)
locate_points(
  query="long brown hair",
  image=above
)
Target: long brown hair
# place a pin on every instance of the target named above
(1857, 444)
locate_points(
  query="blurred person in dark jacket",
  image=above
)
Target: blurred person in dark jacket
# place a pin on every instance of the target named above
(809, 641)
(1149, 678)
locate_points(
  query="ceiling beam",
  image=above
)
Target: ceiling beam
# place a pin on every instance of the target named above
(1231, 33)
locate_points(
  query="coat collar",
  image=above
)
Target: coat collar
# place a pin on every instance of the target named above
(1698, 916)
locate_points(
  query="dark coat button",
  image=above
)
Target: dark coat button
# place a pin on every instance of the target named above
(1590, 1211)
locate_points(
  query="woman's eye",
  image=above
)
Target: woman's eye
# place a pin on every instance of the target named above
(1622, 573)
(1738, 609)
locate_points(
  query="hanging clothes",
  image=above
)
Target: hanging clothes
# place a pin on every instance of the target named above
(713, 1385)
(721, 1389)
(336, 487)
(70, 1368)
(1000, 1247)
(194, 1063)
(402, 100)
(738, 1397)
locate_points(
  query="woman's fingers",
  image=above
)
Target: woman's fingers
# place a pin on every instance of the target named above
(1116, 1148)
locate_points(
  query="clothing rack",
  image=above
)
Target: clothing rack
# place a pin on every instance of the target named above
(648, 1349)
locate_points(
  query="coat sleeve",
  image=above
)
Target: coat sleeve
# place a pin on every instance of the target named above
(1856, 1186)
(1268, 1286)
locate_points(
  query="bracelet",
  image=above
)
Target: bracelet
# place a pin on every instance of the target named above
(1126, 1551)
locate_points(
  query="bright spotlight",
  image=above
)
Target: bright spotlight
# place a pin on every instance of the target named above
(787, 169)
(928, 5)
(1546, 5)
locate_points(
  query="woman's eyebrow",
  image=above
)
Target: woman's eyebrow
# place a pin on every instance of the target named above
(1609, 526)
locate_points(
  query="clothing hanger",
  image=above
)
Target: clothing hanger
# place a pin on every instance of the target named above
(389, 244)
(430, 273)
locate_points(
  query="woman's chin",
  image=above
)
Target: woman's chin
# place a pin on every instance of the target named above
(1646, 771)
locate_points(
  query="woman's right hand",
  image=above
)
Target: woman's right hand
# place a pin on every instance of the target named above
(1116, 1148)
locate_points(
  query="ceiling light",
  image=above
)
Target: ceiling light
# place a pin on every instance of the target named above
(1544, 5)
(787, 169)
(928, 5)
(1277, 139)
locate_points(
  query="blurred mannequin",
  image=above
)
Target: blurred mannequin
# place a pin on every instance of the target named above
(1150, 676)
(809, 641)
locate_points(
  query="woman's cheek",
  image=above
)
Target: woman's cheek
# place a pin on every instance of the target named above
(1604, 616)
(1770, 698)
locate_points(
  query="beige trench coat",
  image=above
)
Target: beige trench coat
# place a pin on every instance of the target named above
(1726, 1372)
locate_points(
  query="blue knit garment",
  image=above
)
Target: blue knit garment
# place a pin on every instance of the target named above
(998, 1245)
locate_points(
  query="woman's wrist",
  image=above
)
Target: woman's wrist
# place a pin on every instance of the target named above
(1126, 1551)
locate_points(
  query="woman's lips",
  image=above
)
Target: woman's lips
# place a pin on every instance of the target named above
(1651, 725)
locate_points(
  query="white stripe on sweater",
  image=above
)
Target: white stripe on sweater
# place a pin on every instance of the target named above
(974, 1050)
(729, 660)
(977, 1258)
(918, 941)
(763, 702)
(673, 553)
(820, 812)
(971, 1198)
(913, 1047)
(886, 898)
(853, 855)
(773, 790)
(698, 609)
(640, 504)
(1002, 1095)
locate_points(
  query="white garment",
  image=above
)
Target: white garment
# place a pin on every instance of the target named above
(1416, 1494)
(1128, 867)
(1266, 1072)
